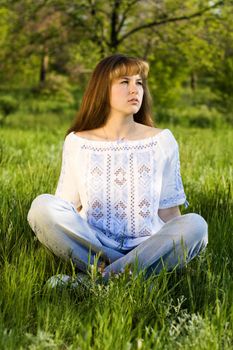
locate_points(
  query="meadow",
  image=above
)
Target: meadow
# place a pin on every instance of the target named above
(188, 309)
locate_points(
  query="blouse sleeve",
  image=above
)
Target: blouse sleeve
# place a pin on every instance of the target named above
(172, 192)
(67, 183)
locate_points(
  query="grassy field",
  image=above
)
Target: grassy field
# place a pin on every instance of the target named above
(188, 310)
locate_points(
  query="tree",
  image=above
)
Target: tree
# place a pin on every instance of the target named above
(38, 31)
(114, 22)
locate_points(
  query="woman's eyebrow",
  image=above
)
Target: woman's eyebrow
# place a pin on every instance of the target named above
(128, 78)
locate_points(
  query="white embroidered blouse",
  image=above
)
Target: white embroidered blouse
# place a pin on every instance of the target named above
(122, 184)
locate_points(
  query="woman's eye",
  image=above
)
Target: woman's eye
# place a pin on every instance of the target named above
(126, 82)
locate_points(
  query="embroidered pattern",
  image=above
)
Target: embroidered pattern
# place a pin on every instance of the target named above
(120, 203)
(119, 147)
(177, 199)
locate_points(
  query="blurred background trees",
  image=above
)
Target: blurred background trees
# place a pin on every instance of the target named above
(48, 49)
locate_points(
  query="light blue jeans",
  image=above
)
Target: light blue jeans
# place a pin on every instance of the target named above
(58, 225)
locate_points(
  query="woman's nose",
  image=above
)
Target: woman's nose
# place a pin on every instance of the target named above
(133, 89)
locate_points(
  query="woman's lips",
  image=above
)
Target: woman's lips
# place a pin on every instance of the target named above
(134, 100)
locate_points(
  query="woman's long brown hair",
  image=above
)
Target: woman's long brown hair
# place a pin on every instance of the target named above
(95, 106)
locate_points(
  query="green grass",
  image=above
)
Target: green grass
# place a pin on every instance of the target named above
(191, 309)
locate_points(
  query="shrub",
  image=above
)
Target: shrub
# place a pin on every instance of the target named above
(57, 87)
(195, 116)
(203, 117)
(42, 105)
(8, 105)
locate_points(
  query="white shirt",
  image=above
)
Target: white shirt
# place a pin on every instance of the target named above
(122, 184)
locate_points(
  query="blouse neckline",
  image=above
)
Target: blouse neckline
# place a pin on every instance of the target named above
(120, 141)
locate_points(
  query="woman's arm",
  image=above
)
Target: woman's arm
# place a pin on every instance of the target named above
(172, 190)
(67, 188)
(169, 213)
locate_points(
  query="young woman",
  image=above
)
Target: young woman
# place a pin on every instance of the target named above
(120, 186)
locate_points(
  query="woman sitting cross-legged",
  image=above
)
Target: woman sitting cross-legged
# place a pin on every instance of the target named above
(120, 187)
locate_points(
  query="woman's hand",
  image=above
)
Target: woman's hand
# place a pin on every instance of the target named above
(169, 213)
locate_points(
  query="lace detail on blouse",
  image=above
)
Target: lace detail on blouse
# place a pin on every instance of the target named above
(173, 200)
(118, 147)
(117, 186)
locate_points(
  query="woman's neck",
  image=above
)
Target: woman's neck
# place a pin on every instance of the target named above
(117, 128)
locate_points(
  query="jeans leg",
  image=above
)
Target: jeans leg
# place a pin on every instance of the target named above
(62, 230)
(177, 242)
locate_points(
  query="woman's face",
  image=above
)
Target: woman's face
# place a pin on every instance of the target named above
(126, 95)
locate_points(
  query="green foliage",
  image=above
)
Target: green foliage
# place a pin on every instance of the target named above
(55, 44)
(165, 84)
(8, 105)
(202, 117)
(57, 87)
(199, 116)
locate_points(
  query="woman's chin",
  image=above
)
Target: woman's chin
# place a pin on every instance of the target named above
(133, 110)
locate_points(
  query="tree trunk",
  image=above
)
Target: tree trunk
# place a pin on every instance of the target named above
(114, 23)
(44, 68)
(193, 81)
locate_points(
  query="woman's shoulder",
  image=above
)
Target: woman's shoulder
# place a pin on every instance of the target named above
(167, 142)
(145, 132)
(149, 131)
(165, 135)
(76, 135)
(87, 134)
(71, 141)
